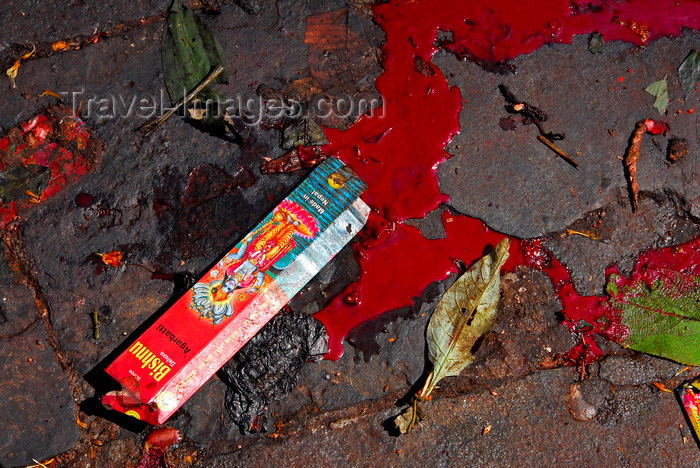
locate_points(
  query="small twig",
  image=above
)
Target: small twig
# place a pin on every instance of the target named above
(47, 49)
(414, 416)
(529, 112)
(39, 464)
(424, 392)
(151, 126)
(95, 325)
(556, 149)
(685, 369)
(685, 439)
(661, 387)
(584, 234)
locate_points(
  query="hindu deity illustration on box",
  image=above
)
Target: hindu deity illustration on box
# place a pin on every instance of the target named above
(241, 274)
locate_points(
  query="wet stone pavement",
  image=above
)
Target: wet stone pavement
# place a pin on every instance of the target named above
(173, 202)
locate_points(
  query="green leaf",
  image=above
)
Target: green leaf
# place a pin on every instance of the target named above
(689, 72)
(659, 89)
(661, 312)
(189, 52)
(17, 183)
(306, 131)
(464, 317)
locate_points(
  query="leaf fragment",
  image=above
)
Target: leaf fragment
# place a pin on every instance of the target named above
(306, 131)
(659, 89)
(596, 43)
(660, 312)
(192, 61)
(689, 72)
(24, 181)
(113, 258)
(189, 53)
(464, 317)
(14, 69)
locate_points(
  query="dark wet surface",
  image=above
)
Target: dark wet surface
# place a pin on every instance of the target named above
(173, 202)
(517, 185)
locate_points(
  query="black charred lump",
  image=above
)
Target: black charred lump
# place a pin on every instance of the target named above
(267, 367)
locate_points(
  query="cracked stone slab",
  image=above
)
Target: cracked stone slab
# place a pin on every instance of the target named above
(638, 370)
(529, 415)
(525, 334)
(34, 399)
(452, 433)
(430, 225)
(166, 236)
(618, 236)
(515, 184)
(17, 311)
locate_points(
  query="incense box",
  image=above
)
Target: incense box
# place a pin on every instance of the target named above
(195, 337)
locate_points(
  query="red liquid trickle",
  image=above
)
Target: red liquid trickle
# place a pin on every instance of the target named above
(398, 148)
(400, 266)
(651, 265)
(397, 266)
(586, 315)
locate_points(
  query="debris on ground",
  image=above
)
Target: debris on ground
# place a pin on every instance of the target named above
(14, 69)
(266, 369)
(659, 89)
(658, 306)
(155, 447)
(192, 61)
(689, 73)
(558, 150)
(113, 258)
(632, 155)
(190, 52)
(42, 156)
(528, 112)
(596, 43)
(531, 114)
(294, 160)
(579, 408)
(689, 394)
(17, 53)
(461, 322)
(677, 148)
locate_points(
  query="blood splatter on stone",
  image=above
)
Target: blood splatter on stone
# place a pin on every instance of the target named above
(40, 157)
(397, 148)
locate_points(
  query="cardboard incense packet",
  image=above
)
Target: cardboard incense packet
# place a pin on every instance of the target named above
(200, 332)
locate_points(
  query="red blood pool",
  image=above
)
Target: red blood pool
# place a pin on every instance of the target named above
(398, 148)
